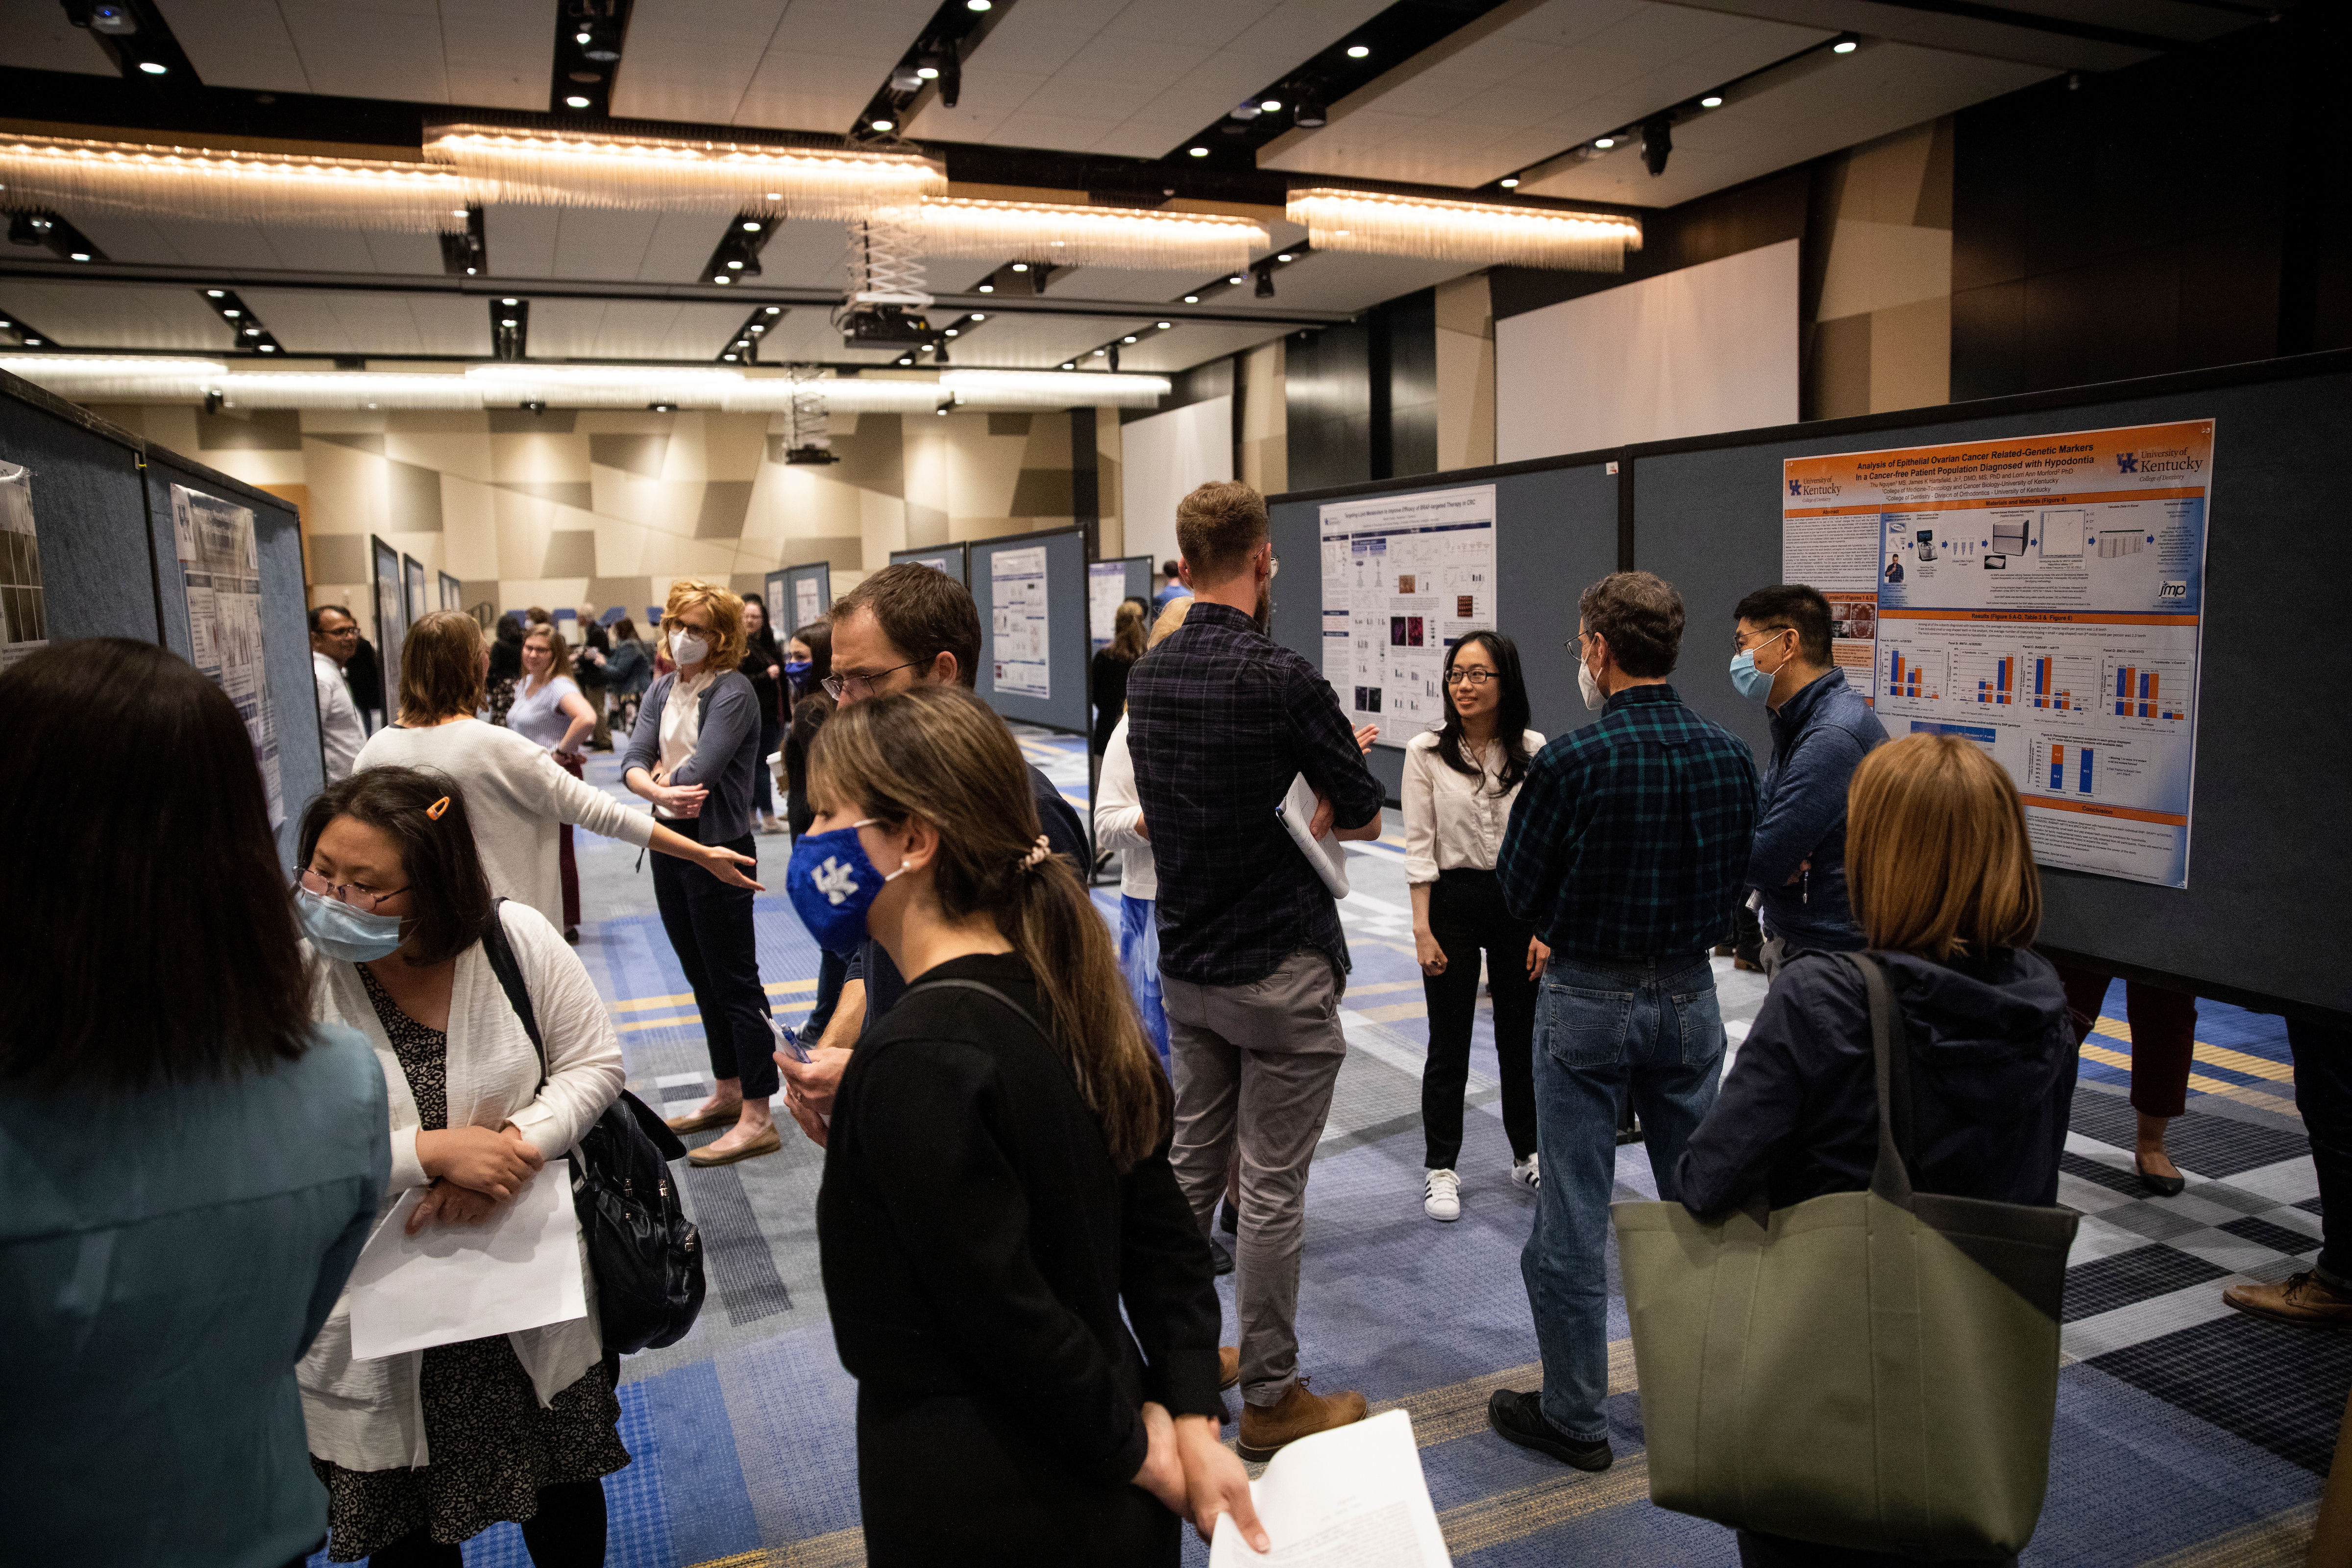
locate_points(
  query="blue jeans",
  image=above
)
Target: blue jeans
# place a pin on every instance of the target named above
(1139, 960)
(1654, 1021)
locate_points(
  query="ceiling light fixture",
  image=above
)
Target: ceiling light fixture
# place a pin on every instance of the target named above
(215, 293)
(976, 4)
(885, 125)
(1197, 152)
(1477, 232)
(1237, 278)
(988, 288)
(1271, 105)
(219, 185)
(1285, 255)
(509, 301)
(1357, 51)
(1712, 101)
(722, 278)
(1129, 339)
(575, 101)
(1163, 326)
(926, 73)
(751, 229)
(81, 256)
(1087, 236)
(1306, 109)
(152, 68)
(1191, 298)
(1019, 267)
(1604, 142)
(775, 310)
(734, 267)
(579, 169)
(1509, 182)
(1846, 45)
(978, 316)
(1069, 364)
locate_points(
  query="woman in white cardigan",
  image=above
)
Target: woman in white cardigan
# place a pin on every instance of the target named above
(426, 1449)
(519, 794)
(1119, 825)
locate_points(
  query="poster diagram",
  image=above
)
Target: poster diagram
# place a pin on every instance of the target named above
(807, 607)
(1016, 601)
(1106, 591)
(2041, 597)
(1404, 577)
(24, 613)
(215, 543)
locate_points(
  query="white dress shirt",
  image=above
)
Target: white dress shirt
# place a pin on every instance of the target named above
(341, 734)
(681, 729)
(1119, 818)
(1453, 821)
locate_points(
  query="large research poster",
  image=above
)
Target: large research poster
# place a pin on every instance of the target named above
(2042, 597)
(215, 543)
(1404, 577)
(1017, 601)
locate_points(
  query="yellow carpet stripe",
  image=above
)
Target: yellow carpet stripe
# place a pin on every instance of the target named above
(686, 1019)
(638, 1004)
(2244, 1093)
(2212, 1055)
(1516, 1515)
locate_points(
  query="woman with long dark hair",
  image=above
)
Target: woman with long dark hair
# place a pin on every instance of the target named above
(191, 1163)
(425, 1449)
(1112, 662)
(1015, 1277)
(808, 659)
(763, 666)
(1460, 782)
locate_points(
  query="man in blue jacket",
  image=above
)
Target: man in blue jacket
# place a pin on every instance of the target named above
(1821, 729)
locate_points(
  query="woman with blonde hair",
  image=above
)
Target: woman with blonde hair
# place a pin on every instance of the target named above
(1940, 869)
(1015, 1277)
(548, 708)
(519, 794)
(695, 754)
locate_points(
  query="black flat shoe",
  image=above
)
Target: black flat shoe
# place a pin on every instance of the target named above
(1519, 1418)
(1228, 1221)
(1221, 1259)
(2162, 1187)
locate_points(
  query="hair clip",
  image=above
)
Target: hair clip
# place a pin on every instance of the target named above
(433, 813)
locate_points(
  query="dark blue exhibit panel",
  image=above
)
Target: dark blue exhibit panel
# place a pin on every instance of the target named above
(1068, 648)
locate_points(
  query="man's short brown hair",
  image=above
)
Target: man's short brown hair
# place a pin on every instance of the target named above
(1641, 617)
(1218, 526)
(923, 611)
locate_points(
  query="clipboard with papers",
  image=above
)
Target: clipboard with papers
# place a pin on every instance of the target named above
(1326, 854)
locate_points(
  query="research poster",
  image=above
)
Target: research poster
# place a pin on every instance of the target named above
(1106, 591)
(215, 543)
(808, 607)
(1016, 601)
(24, 614)
(1404, 577)
(936, 563)
(2042, 597)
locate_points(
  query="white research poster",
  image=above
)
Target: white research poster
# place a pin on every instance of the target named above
(1404, 578)
(2041, 596)
(1017, 602)
(1106, 592)
(806, 609)
(215, 543)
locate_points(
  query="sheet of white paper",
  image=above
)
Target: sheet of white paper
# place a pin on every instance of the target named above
(1326, 854)
(448, 1283)
(1350, 1498)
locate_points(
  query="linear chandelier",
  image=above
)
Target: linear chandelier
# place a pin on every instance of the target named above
(107, 378)
(1479, 233)
(217, 184)
(556, 168)
(1069, 235)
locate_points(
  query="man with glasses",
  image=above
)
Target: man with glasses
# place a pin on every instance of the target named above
(904, 627)
(334, 637)
(1626, 850)
(1821, 729)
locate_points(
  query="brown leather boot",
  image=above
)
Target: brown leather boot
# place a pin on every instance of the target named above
(1299, 1412)
(1229, 1367)
(2303, 1299)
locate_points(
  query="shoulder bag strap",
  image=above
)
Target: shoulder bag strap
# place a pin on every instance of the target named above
(501, 956)
(1890, 1053)
(986, 990)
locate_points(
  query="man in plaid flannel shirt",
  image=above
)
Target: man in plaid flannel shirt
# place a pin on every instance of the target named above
(1627, 849)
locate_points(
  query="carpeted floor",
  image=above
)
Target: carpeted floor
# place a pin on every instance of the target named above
(2186, 1434)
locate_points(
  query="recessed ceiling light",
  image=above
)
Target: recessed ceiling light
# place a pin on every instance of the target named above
(758, 327)
(1285, 255)
(1270, 104)
(1844, 47)
(469, 271)
(1357, 51)
(151, 69)
(734, 267)
(951, 332)
(728, 358)
(576, 102)
(909, 359)
(270, 348)
(232, 315)
(1099, 352)
(776, 309)
(1069, 364)
(775, 196)
(581, 38)
(722, 278)
(215, 293)
(1198, 151)
(509, 301)
(1163, 326)
(976, 4)
(253, 331)
(1604, 142)
(509, 321)
(1129, 339)
(460, 211)
(1191, 298)
(979, 316)
(1237, 278)
(928, 73)
(1019, 267)
(35, 343)
(1509, 182)
(988, 288)
(883, 124)
(1711, 101)
(81, 255)
(751, 229)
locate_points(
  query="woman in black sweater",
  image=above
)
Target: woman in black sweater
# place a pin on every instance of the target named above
(1112, 663)
(996, 1181)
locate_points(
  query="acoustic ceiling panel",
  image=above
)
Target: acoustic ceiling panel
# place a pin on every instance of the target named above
(1495, 99)
(1192, 344)
(184, 242)
(381, 325)
(1039, 342)
(801, 65)
(38, 37)
(632, 329)
(117, 316)
(496, 53)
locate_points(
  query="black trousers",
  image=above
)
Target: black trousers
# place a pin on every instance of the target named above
(1466, 913)
(709, 927)
(772, 733)
(2322, 1088)
(832, 974)
(568, 1531)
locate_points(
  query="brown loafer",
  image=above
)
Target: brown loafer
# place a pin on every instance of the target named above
(696, 1121)
(1229, 1367)
(2304, 1299)
(1266, 1429)
(711, 1154)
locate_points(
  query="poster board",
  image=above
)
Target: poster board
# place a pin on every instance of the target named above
(1035, 650)
(2041, 597)
(1404, 578)
(772, 590)
(1109, 582)
(951, 558)
(453, 592)
(391, 619)
(24, 622)
(808, 596)
(220, 568)
(412, 577)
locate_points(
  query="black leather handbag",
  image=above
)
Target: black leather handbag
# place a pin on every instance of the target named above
(645, 1255)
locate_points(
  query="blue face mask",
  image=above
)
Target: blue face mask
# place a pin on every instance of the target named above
(1754, 684)
(832, 884)
(344, 933)
(796, 670)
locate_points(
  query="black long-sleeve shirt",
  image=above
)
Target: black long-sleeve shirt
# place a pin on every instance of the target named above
(979, 1244)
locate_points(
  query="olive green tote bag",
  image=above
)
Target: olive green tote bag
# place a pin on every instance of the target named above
(1874, 1370)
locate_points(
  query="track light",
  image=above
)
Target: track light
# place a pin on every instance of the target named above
(1657, 141)
(1307, 108)
(1265, 290)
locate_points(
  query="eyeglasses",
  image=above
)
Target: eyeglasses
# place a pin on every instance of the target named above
(843, 687)
(1740, 639)
(1473, 679)
(363, 900)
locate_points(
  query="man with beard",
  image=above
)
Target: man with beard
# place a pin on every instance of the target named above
(1220, 721)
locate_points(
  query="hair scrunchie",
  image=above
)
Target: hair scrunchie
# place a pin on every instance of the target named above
(1036, 856)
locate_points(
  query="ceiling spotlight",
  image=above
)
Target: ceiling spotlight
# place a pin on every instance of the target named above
(509, 301)
(1308, 110)
(470, 271)
(509, 321)
(1129, 339)
(582, 38)
(81, 255)
(1191, 298)
(152, 68)
(976, 4)
(908, 359)
(253, 331)
(940, 411)
(751, 229)
(35, 343)
(1285, 255)
(1604, 142)
(1270, 104)
(1069, 364)
(734, 267)
(884, 124)
(1198, 151)
(775, 196)
(460, 211)
(1712, 101)
(214, 293)
(1163, 326)
(757, 328)
(232, 315)
(728, 358)
(776, 309)
(978, 316)
(1846, 45)
(270, 348)
(951, 332)
(1237, 278)
(926, 73)
(576, 102)
(1357, 51)
(988, 288)
(722, 278)
(1509, 182)
(1099, 352)
(1019, 267)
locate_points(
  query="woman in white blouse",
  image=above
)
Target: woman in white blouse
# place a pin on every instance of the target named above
(1119, 825)
(1460, 783)
(549, 709)
(427, 1448)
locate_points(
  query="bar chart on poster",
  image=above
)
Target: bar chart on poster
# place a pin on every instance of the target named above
(2041, 598)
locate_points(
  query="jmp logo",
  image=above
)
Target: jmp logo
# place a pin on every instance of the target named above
(2172, 590)
(2127, 462)
(833, 880)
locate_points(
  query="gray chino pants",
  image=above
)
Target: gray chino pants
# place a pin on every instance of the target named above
(1253, 1066)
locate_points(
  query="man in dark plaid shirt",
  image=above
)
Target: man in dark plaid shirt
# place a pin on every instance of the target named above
(1220, 722)
(1627, 849)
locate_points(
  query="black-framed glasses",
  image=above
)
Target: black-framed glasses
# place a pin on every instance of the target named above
(1740, 639)
(1475, 680)
(840, 686)
(363, 900)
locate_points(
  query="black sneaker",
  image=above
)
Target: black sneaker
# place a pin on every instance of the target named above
(1228, 1219)
(1222, 1259)
(1519, 1418)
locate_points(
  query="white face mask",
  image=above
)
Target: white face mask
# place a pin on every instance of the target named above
(1594, 698)
(686, 649)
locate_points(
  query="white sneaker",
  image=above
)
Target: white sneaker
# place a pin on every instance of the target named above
(1524, 1172)
(1442, 1198)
